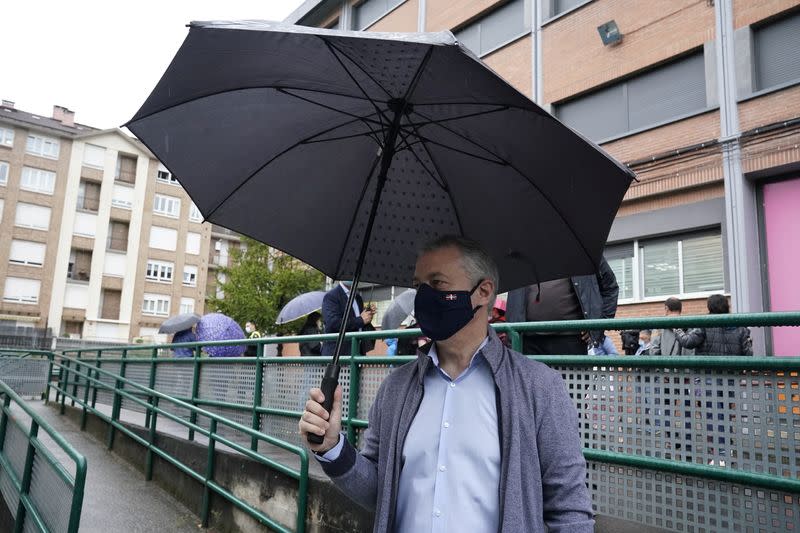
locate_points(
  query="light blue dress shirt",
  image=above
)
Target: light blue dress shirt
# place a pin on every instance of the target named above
(451, 457)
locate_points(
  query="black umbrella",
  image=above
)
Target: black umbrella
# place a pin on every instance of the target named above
(366, 145)
(178, 323)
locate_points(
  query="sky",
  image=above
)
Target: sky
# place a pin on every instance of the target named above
(101, 59)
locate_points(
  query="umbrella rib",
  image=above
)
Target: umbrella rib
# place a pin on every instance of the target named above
(217, 93)
(355, 211)
(333, 50)
(421, 163)
(529, 180)
(276, 156)
(444, 180)
(462, 152)
(468, 115)
(369, 134)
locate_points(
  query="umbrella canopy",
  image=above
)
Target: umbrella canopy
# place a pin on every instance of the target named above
(398, 310)
(178, 323)
(219, 327)
(300, 306)
(390, 138)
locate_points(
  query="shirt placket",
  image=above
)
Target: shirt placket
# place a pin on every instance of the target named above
(440, 496)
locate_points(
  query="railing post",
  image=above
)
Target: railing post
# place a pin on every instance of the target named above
(117, 403)
(256, 424)
(60, 379)
(65, 367)
(86, 397)
(94, 389)
(4, 421)
(151, 381)
(50, 357)
(195, 389)
(516, 340)
(209, 472)
(26, 477)
(148, 470)
(77, 379)
(352, 400)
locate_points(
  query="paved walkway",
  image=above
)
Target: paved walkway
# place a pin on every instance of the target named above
(117, 497)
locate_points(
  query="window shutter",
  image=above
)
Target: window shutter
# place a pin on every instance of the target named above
(777, 52)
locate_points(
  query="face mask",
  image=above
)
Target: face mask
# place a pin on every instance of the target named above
(441, 314)
(248, 329)
(348, 284)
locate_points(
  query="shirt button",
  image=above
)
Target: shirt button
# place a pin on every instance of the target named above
(437, 512)
(442, 468)
(452, 383)
(446, 424)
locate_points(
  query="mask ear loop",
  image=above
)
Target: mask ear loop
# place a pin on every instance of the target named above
(475, 288)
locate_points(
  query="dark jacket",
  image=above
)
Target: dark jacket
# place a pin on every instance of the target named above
(597, 294)
(333, 311)
(667, 344)
(717, 341)
(310, 348)
(543, 472)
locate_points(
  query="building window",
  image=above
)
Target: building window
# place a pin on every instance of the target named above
(2, 206)
(110, 303)
(187, 305)
(126, 169)
(775, 51)
(685, 265)
(168, 206)
(72, 329)
(21, 290)
(43, 146)
(79, 267)
(496, 28)
(163, 238)
(155, 304)
(3, 173)
(32, 216)
(117, 236)
(38, 180)
(660, 95)
(6, 137)
(193, 243)
(159, 271)
(190, 275)
(194, 213)
(122, 196)
(561, 6)
(27, 253)
(165, 176)
(89, 196)
(370, 11)
(94, 156)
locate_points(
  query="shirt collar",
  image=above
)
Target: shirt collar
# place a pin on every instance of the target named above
(492, 350)
(344, 288)
(435, 356)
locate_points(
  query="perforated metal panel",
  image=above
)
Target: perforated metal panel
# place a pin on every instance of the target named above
(174, 379)
(138, 372)
(370, 381)
(106, 396)
(51, 495)
(230, 382)
(27, 377)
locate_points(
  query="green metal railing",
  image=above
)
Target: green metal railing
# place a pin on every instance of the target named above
(30, 506)
(134, 356)
(23, 371)
(75, 373)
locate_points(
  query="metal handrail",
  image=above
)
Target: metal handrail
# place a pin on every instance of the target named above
(70, 366)
(26, 507)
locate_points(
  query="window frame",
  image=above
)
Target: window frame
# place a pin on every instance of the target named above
(638, 267)
(166, 200)
(182, 308)
(30, 226)
(169, 180)
(163, 271)
(156, 300)
(40, 172)
(192, 279)
(29, 301)
(502, 44)
(40, 151)
(194, 213)
(26, 262)
(7, 140)
(4, 179)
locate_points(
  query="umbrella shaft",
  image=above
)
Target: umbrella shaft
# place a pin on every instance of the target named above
(387, 153)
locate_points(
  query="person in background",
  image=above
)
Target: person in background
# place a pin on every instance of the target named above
(252, 333)
(666, 343)
(606, 347)
(334, 311)
(645, 339)
(630, 341)
(311, 326)
(575, 298)
(730, 340)
(499, 316)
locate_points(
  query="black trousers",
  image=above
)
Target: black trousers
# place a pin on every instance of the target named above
(553, 345)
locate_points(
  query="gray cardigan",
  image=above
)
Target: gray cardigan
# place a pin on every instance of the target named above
(542, 469)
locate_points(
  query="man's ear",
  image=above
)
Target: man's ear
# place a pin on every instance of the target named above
(486, 289)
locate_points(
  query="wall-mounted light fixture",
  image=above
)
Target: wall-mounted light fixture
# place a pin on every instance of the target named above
(609, 33)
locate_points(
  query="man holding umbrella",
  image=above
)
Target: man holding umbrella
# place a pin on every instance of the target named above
(470, 437)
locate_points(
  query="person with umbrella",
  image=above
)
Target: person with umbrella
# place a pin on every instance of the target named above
(491, 445)
(335, 312)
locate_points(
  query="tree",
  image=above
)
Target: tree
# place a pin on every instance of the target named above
(259, 281)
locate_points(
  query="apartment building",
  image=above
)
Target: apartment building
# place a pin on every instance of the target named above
(700, 98)
(99, 240)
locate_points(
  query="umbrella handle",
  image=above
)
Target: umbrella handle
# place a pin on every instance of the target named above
(329, 383)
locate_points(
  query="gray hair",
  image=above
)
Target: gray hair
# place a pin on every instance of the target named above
(477, 263)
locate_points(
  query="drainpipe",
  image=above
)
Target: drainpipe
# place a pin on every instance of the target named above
(741, 223)
(421, 12)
